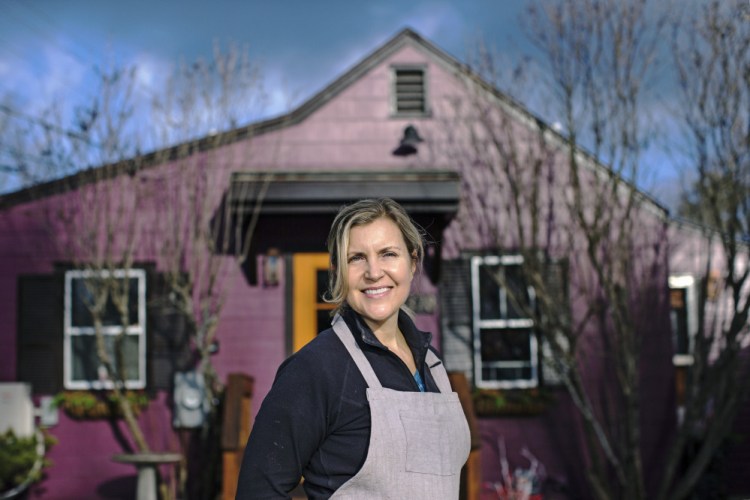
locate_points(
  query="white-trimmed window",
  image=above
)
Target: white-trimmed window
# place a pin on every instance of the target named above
(82, 368)
(505, 345)
(683, 314)
(409, 91)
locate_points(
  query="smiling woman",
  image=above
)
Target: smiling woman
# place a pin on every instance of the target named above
(365, 410)
(379, 275)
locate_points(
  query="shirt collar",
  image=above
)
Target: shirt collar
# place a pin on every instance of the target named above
(418, 340)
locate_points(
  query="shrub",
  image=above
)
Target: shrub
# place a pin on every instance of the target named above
(22, 458)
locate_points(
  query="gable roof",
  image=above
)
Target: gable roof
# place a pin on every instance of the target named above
(182, 150)
(406, 36)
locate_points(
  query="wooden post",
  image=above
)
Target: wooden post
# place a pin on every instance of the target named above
(471, 474)
(235, 429)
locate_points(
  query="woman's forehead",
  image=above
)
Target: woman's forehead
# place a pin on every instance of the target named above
(382, 232)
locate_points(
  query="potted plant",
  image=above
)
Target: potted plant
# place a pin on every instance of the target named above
(22, 461)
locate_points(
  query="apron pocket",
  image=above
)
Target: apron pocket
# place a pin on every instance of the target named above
(428, 444)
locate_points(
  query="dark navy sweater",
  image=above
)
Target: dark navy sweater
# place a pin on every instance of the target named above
(315, 421)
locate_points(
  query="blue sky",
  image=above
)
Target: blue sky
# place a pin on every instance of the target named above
(48, 48)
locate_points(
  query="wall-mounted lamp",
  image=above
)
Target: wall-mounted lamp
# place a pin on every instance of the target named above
(271, 267)
(408, 144)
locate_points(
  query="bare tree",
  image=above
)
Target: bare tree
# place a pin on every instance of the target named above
(194, 219)
(97, 232)
(599, 57)
(712, 57)
(26, 157)
(546, 195)
(198, 250)
(119, 213)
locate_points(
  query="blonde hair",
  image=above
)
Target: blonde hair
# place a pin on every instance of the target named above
(359, 214)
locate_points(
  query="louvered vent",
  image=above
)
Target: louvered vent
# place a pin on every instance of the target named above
(410, 91)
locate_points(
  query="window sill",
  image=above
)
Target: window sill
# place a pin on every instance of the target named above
(489, 403)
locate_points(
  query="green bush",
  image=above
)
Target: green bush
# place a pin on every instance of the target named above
(19, 457)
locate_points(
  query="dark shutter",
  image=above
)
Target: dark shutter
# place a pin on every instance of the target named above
(40, 332)
(456, 291)
(168, 348)
(455, 302)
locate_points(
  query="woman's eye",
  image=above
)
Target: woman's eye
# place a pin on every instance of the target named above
(355, 258)
(390, 254)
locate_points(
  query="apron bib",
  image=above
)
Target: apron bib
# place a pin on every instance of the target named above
(418, 441)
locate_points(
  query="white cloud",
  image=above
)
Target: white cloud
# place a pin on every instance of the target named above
(63, 76)
(436, 20)
(282, 96)
(42, 77)
(431, 20)
(355, 52)
(151, 72)
(17, 78)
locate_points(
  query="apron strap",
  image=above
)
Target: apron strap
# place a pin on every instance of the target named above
(434, 364)
(347, 338)
(437, 368)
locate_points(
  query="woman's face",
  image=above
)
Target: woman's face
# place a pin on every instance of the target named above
(380, 272)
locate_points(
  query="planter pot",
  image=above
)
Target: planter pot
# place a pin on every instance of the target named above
(84, 405)
(521, 403)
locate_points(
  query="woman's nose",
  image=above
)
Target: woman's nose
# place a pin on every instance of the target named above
(373, 270)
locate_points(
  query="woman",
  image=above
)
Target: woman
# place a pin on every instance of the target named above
(364, 410)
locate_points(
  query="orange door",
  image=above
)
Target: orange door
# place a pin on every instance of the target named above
(311, 314)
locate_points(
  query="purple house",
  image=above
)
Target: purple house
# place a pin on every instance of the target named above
(404, 123)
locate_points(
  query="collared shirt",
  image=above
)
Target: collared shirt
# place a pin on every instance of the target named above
(315, 421)
(418, 379)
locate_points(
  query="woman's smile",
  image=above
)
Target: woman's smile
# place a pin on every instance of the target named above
(376, 292)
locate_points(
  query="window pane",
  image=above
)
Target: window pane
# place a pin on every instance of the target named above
(489, 292)
(83, 293)
(86, 361)
(506, 345)
(321, 278)
(518, 294)
(678, 316)
(81, 299)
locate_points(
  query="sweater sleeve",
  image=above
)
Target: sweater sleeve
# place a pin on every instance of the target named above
(289, 427)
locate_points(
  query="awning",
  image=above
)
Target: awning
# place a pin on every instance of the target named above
(324, 192)
(293, 211)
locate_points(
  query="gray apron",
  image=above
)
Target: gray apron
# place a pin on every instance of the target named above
(418, 441)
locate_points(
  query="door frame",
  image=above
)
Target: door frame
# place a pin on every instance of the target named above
(305, 267)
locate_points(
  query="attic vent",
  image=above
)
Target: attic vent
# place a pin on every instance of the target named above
(410, 96)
